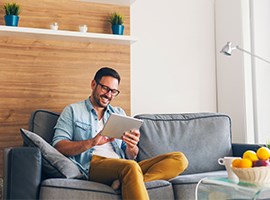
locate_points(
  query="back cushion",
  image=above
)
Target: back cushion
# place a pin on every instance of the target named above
(202, 137)
(42, 122)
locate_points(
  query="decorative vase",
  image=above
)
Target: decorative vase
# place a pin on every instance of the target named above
(118, 29)
(11, 20)
(54, 26)
(83, 28)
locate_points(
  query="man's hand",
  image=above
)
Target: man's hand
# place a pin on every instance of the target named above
(131, 138)
(100, 139)
(71, 148)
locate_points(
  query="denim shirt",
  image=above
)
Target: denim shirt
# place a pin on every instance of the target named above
(79, 121)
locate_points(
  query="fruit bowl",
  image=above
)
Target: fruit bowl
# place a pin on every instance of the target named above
(259, 175)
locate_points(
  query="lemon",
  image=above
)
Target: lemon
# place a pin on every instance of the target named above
(242, 163)
(245, 163)
(263, 153)
(251, 155)
(236, 162)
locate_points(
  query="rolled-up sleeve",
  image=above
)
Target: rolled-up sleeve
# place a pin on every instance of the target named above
(64, 126)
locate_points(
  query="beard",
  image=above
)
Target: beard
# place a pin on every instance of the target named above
(101, 100)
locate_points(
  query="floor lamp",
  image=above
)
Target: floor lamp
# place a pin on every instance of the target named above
(227, 50)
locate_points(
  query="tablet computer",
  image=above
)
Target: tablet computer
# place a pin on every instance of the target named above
(117, 124)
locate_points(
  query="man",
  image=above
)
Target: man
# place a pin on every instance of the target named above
(108, 160)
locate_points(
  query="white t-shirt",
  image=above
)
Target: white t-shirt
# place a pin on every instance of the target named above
(105, 150)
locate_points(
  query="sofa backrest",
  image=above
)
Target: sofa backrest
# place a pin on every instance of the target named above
(42, 122)
(202, 137)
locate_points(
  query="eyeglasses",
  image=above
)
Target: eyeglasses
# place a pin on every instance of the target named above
(106, 89)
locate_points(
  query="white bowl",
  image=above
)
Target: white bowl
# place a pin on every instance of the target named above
(259, 175)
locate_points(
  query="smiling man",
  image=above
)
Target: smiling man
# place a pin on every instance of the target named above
(108, 160)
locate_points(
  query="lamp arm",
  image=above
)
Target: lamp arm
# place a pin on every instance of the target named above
(237, 47)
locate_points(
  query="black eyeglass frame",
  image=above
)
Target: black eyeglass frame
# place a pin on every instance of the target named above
(106, 89)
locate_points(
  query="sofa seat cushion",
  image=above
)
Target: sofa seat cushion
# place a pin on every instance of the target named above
(184, 186)
(82, 189)
(160, 189)
(195, 178)
(202, 137)
(76, 189)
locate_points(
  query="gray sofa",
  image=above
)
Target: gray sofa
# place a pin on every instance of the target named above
(203, 137)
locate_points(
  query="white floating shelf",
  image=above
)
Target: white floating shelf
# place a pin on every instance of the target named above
(114, 2)
(74, 36)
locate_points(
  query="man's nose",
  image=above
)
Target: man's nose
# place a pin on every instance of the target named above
(109, 94)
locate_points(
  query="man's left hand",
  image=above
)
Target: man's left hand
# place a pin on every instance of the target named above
(131, 138)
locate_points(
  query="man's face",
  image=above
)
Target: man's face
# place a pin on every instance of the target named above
(102, 91)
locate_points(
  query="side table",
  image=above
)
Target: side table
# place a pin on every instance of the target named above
(223, 188)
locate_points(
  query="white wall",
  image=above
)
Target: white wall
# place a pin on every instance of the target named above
(234, 88)
(261, 47)
(173, 62)
(243, 80)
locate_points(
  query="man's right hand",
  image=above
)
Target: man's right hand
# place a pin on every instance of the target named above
(72, 148)
(100, 139)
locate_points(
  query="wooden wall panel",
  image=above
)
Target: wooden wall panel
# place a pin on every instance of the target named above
(39, 74)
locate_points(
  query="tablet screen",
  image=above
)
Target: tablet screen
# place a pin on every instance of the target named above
(117, 124)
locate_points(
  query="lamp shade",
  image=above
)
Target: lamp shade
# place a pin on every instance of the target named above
(227, 49)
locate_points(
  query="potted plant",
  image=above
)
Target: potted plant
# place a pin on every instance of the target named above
(12, 11)
(117, 21)
(268, 144)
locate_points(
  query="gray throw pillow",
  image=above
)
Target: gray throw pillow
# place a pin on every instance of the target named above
(54, 164)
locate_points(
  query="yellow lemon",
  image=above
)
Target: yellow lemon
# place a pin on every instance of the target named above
(245, 163)
(251, 155)
(263, 153)
(236, 162)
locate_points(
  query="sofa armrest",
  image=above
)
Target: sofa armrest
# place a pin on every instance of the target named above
(22, 173)
(238, 148)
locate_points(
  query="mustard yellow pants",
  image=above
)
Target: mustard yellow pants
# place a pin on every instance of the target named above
(132, 175)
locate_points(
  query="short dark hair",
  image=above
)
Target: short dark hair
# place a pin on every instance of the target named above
(106, 71)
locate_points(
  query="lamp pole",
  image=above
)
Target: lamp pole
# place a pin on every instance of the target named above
(227, 50)
(237, 47)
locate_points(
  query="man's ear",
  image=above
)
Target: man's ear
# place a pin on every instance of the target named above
(93, 84)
